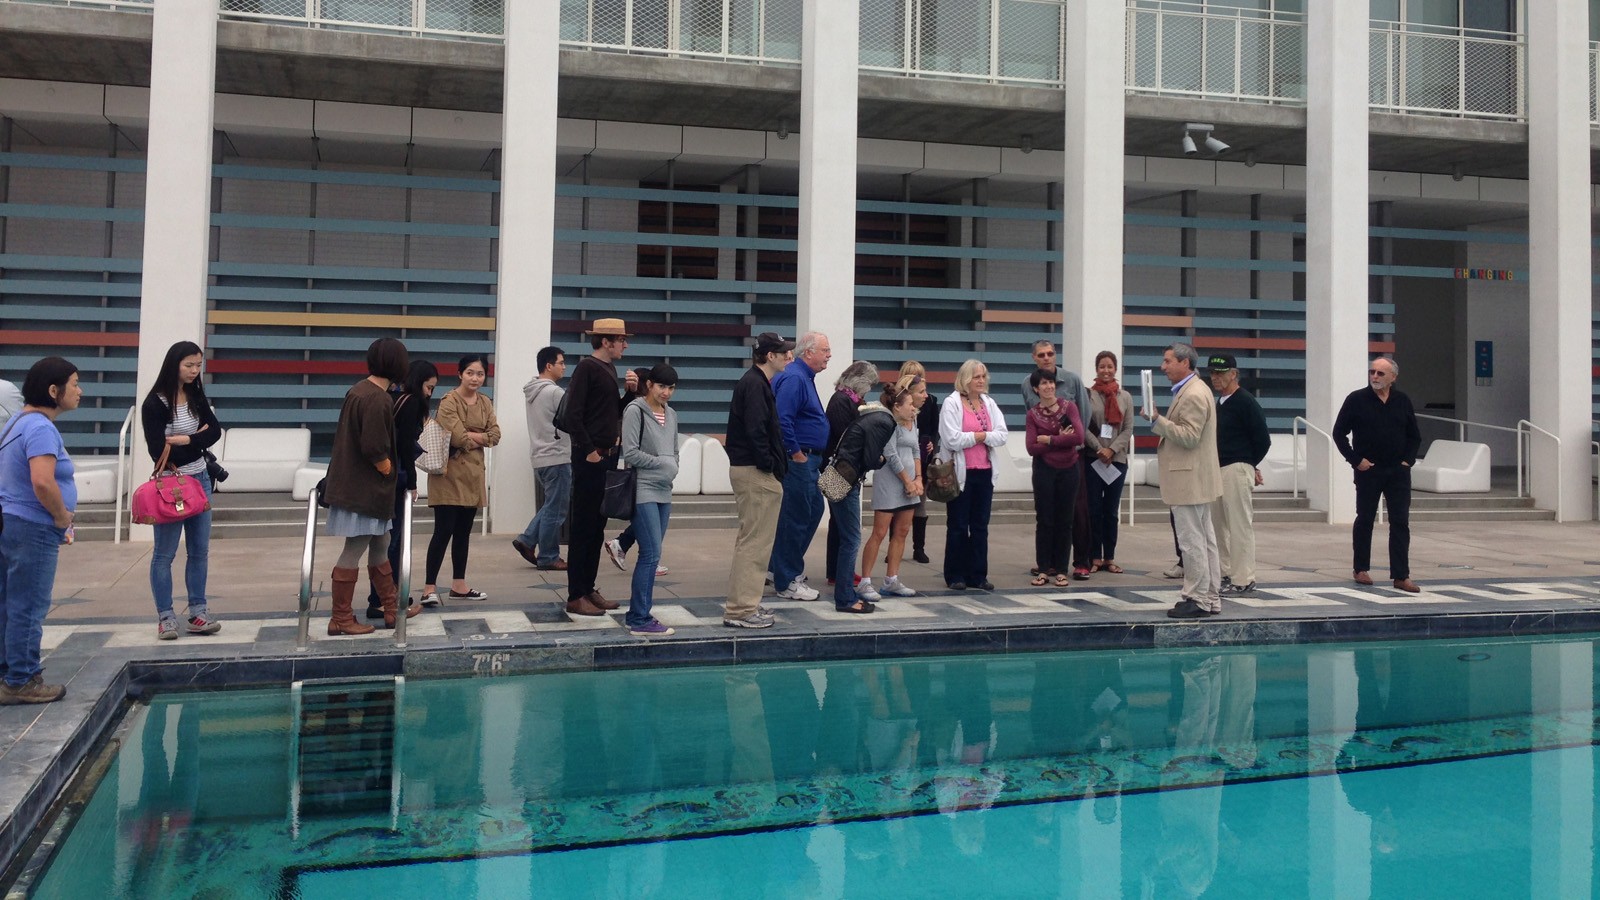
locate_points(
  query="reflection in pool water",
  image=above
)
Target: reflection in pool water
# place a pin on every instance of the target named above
(1330, 770)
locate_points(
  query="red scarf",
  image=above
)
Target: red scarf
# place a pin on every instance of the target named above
(1113, 409)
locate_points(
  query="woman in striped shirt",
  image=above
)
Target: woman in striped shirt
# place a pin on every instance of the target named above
(176, 415)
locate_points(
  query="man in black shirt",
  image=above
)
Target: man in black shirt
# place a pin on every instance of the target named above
(757, 463)
(1382, 450)
(594, 420)
(1242, 442)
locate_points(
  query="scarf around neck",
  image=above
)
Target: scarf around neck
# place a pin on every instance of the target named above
(1110, 389)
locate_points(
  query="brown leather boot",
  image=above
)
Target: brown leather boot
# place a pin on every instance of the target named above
(383, 582)
(343, 620)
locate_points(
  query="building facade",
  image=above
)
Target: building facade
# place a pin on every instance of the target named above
(284, 180)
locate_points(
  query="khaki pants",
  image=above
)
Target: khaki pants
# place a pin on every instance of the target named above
(1234, 519)
(1202, 572)
(757, 496)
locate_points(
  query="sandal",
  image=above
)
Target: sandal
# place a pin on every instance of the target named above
(1096, 566)
(1113, 568)
(1040, 581)
(1062, 581)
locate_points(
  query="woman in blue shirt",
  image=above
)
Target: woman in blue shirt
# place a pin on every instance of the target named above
(38, 495)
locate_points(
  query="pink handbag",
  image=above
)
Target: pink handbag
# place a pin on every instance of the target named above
(168, 496)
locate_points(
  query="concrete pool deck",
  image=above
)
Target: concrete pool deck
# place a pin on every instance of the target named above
(1514, 578)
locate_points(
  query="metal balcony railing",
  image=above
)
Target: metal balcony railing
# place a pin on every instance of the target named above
(756, 31)
(131, 5)
(1246, 55)
(1594, 91)
(996, 41)
(1444, 71)
(482, 20)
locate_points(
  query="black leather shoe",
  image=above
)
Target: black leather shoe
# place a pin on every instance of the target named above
(1187, 609)
(986, 586)
(374, 612)
(958, 585)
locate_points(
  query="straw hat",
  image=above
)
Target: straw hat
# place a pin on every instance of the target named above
(610, 328)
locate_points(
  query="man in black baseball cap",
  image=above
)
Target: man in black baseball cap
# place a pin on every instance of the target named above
(1242, 442)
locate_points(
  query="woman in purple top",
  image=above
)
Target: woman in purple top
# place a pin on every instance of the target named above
(1055, 437)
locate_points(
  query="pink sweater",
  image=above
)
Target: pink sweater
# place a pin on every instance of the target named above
(1065, 442)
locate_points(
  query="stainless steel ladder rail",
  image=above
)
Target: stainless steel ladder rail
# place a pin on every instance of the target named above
(308, 555)
(403, 577)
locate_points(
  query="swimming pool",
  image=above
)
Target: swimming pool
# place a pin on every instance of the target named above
(1403, 769)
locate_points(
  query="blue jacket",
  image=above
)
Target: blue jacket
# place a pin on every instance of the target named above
(800, 415)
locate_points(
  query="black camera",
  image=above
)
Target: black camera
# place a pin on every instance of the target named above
(214, 469)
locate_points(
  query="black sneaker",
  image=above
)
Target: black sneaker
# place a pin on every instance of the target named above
(1240, 588)
(1187, 609)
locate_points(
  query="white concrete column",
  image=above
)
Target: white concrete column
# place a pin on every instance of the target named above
(527, 246)
(1559, 289)
(177, 210)
(1336, 236)
(1091, 188)
(826, 282)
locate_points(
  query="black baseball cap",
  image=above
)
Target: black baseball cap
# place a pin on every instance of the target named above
(772, 342)
(1222, 362)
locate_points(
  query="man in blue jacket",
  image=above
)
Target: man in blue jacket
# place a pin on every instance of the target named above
(805, 439)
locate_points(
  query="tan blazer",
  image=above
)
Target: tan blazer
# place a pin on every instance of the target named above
(1188, 450)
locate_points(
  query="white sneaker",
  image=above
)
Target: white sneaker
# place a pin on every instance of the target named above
(797, 590)
(1174, 572)
(614, 550)
(898, 588)
(864, 591)
(661, 570)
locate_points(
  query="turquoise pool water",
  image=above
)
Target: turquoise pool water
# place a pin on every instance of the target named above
(1410, 769)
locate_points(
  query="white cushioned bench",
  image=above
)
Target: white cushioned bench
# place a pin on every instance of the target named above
(1452, 467)
(264, 459)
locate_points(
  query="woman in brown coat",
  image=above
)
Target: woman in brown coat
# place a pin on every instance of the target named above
(361, 485)
(457, 495)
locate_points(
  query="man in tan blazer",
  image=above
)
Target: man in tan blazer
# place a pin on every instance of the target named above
(1191, 479)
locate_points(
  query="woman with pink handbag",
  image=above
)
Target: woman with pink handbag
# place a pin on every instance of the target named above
(178, 427)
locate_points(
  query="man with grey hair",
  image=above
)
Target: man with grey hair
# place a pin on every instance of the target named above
(1377, 433)
(1191, 479)
(805, 438)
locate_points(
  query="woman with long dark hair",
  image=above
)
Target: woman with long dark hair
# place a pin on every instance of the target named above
(413, 403)
(363, 476)
(1108, 434)
(38, 492)
(178, 421)
(457, 495)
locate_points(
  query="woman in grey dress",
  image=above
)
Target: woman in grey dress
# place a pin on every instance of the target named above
(896, 493)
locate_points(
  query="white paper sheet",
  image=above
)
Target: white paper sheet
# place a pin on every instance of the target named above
(1147, 394)
(1107, 472)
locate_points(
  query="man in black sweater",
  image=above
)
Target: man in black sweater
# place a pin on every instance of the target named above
(1242, 442)
(757, 463)
(1382, 451)
(594, 420)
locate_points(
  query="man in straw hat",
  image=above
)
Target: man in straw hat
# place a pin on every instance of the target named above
(594, 421)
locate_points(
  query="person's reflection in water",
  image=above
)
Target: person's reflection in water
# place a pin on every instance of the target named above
(1215, 735)
(169, 792)
(1382, 681)
(967, 740)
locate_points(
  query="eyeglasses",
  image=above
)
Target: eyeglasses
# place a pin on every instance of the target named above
(1044, 353)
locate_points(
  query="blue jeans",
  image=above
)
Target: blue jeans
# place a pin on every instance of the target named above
(28, 552)
(797, 520)
(544, 529)
(847, 517)
(966, 545)
(196, 531)
(649, 528)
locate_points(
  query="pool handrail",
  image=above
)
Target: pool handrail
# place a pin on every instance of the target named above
(123, 437)
(1294, 434)
(402, 578)
(302, 639)
(1531, 428)
(1461, 432)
